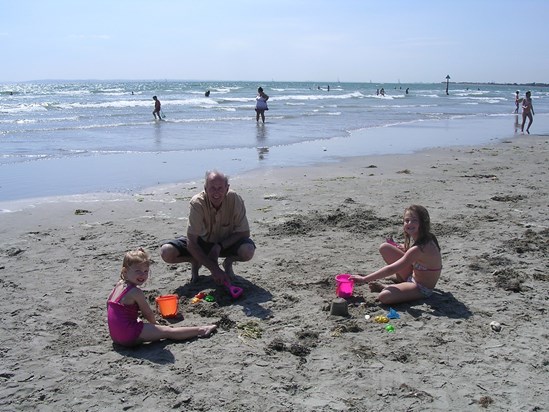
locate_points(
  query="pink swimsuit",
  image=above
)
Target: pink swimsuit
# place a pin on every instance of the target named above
(124, 327)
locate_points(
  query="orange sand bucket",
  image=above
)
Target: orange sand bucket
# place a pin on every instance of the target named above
(167, 305)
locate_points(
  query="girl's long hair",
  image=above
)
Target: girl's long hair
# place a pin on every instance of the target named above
(425, 235)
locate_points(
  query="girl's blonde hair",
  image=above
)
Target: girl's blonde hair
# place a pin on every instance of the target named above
(135, 257)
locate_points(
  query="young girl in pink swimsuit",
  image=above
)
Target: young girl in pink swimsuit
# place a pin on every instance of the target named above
(416, 267)
(127, 300)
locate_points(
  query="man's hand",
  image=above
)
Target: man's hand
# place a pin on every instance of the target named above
(219, 276)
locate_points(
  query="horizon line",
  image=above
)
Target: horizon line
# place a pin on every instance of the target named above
(271, 81)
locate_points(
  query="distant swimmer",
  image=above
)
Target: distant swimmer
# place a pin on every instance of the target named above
(407, 90)
(207, 94)
(156, 111)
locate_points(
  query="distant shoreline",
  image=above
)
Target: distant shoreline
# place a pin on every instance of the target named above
(505, 84)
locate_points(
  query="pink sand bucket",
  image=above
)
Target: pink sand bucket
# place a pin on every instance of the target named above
(345, 285)
(167, 305)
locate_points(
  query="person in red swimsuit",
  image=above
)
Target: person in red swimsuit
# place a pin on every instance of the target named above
(127, 300)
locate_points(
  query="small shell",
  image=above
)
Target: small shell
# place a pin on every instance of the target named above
(496, 327)
(367, 317)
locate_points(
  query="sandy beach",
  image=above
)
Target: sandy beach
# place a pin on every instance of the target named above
(278, 348)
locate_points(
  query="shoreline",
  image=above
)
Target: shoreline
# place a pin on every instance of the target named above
(488, 209)
(42, 180)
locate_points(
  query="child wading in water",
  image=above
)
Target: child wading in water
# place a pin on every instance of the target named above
(127, 300)
(417, 267)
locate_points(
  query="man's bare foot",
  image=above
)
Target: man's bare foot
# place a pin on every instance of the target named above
(228, 268)
(194, 272)
(376, 286)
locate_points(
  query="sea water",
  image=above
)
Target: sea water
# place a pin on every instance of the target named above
(61, 138)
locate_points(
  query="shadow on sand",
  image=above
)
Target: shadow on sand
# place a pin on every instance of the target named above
(442, 304)
(250, 300)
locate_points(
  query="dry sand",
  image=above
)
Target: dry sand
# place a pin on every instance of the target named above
(278, 348)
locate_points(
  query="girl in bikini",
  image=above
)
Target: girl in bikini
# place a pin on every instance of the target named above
(416, 267)
(127, 300)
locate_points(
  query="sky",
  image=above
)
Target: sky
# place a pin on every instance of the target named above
(410, 41)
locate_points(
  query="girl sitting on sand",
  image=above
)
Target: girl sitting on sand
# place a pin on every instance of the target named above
(417, 267)
(127, 300)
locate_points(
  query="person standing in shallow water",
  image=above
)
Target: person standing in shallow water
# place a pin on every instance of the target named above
(517, 101)
(527, 111)
(261, 105)
(156, 111)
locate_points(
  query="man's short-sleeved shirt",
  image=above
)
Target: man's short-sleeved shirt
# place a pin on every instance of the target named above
(217, 225)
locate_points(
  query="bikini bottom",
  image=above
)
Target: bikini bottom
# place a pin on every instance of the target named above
(425, 291)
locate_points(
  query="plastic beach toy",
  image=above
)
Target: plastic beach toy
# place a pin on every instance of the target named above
(167, 305)
(234, 290)
(393, 314)
(390, 328)
(345, 285)
(381, 319)
(200, 295)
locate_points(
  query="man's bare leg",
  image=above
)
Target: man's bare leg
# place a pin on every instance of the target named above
(228, 268)
(195, 267)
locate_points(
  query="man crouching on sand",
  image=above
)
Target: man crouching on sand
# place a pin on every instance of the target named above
(218, 227)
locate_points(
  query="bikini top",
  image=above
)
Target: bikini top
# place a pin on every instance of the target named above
(420, 268)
